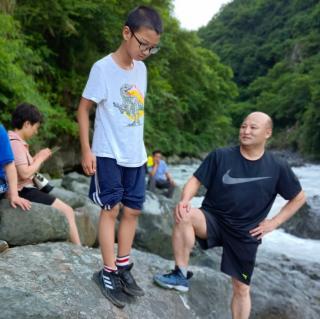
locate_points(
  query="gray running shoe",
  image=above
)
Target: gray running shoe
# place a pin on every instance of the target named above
(3, 246)
(111, 287)
(129, 284)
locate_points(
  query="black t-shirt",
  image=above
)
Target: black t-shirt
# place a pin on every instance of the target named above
(240, 192)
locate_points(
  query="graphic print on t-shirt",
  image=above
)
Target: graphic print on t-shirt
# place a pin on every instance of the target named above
(132, 105)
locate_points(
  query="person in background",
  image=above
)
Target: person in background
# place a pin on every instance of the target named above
(159, 176)
(8, 179)
(242, 183)
(26, 120)
(117, 84)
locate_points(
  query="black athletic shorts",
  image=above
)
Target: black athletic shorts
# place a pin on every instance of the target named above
(238, 257)
(36, 196)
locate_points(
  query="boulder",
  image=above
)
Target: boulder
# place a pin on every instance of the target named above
(285, 288)
(88, 228)
(163, 192)
(42, 223)
(53, 280)
(77, 183)
(155, 225)
(72, 198)
(306, 223)
(66, 159)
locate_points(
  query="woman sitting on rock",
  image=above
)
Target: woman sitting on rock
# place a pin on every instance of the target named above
(26, 120)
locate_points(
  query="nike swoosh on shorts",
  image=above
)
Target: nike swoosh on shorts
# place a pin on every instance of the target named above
(229, 180)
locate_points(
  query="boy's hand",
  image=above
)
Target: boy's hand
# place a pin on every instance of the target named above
(88, 163)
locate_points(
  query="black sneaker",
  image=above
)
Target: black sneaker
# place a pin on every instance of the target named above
(129, 284)
(111, 287)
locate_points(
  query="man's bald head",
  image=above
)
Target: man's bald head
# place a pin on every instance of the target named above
(262, 118)
(255, 130)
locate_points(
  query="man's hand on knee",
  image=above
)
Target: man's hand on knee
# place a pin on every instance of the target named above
(181, 211)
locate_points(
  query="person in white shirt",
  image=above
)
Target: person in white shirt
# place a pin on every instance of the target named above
(117, 85)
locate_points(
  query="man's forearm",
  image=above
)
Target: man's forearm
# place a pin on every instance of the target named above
(288, 210)
(190, 189)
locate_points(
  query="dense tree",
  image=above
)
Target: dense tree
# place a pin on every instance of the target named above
(273, 48)
(50, 46)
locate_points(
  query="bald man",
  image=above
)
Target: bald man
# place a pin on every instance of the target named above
(242, 183)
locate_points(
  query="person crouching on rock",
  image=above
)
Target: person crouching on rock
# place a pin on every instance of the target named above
(26, 120)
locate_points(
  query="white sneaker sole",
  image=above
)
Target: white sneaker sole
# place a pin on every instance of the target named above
(178, 288)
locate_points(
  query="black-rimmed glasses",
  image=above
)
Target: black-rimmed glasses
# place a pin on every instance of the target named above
(145, 47)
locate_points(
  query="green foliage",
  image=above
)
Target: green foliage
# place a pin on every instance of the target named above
(48, 47)
(273, 48)
(17, 62)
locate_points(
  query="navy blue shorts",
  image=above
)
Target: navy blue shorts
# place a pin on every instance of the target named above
(113, 184)
(238, 257)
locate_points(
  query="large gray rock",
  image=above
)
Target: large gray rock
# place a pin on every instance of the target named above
(73, 199)
(285, 288)
(278, 287)
(66, 159)
(42, 223)
(88, 230)
(54, 281)
(88, 224)
(77, 183)
(306, 223)
(155, 225)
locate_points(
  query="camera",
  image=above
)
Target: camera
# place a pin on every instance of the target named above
(42, 183)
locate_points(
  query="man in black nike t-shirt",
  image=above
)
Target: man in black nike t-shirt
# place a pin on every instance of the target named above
(242, 183)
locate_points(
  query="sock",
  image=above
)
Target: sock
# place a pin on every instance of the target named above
(184, 271)
(122, 261)
(107, 269)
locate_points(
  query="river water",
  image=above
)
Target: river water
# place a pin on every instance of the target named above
(277, 241)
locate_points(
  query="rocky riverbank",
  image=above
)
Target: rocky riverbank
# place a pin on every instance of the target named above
(45, 277)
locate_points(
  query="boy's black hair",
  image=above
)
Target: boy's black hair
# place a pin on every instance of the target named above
(156, 152)
(25, 112)
(144, 16)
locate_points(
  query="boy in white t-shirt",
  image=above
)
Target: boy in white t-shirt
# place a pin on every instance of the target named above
(117, 84)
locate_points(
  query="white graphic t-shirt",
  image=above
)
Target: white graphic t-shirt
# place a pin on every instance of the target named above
(118, 127)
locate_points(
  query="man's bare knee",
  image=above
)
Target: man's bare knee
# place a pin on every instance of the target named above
(240, 289)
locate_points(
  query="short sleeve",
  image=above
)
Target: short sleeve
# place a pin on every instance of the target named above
(207, 170)
(6, 155)
(19, 152)
(288, 185)
(95, 89)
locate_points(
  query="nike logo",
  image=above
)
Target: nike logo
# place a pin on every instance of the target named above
(229, 180)
(245, 277)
